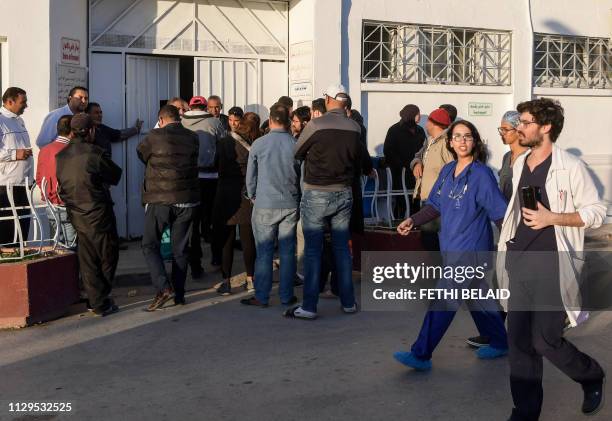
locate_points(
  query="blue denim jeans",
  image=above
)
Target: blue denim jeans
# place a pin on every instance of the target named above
(268, 225)
(67, 232)
(318, 209)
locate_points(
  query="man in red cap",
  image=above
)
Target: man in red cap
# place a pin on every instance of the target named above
(426, 168)
(209, 130)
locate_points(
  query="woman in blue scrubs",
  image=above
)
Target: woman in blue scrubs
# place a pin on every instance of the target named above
(467, 198)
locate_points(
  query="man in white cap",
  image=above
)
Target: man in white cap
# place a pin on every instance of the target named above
(332, 153)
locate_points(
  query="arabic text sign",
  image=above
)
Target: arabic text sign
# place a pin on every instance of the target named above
(71, 51)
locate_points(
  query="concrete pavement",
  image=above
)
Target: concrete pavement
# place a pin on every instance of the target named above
(214, 359)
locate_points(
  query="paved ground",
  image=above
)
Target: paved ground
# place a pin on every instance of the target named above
(216, 360)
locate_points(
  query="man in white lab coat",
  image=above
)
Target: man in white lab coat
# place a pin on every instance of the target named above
(566, 202)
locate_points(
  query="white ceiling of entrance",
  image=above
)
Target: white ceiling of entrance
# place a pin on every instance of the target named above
(195, 27)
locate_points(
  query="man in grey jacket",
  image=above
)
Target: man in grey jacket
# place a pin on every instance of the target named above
(209, 130)
(272, 181)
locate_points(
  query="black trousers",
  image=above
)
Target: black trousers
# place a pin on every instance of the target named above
(202, 223)
(7, 227)
(180, 221)
(224, 239)
(98, 254)
(533, 335)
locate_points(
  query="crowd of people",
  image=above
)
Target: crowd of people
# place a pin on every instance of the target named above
(293, 184)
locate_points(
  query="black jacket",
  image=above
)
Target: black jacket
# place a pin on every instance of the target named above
(84, 172)
(332, 150)
(401, 144)
(231, 206)
(171, 156)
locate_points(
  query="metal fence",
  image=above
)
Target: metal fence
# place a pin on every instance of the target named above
(409, 53)
(572, 62)
(38, 241)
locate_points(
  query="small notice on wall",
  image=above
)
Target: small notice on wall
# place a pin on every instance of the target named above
(67, 78)
(71, 51)
(480, 109)
(300, 71)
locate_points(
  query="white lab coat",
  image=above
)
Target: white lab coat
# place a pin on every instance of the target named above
(569, 188)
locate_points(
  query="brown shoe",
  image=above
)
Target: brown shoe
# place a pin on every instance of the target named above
(253, 302)
(160, 299)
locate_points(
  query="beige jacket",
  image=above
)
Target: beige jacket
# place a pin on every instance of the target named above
(569, 188)
(435, 157)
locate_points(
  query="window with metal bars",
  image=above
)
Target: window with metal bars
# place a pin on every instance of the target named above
(562, 61)
(409, 53)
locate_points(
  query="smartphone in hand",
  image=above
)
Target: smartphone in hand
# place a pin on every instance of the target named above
(529, 196)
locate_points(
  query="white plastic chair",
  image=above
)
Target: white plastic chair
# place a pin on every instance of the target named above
(373, 220)
(60, 228)
(389, 194)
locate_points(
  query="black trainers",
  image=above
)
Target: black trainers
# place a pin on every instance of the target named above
(106, 311)
(252, 301)
(478, 341)
(224, 289)
(160, 299)
(593, 397)
(179, 301)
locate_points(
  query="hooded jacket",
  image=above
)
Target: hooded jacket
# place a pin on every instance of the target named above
(209, 130)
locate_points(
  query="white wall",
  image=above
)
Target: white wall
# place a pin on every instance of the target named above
(380, 103)
(68, 19)
(569, 17)
(318, 22)
(587, 124)
(27, 55)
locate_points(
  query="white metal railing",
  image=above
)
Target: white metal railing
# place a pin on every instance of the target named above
(412, 53)
(562, 61)
(382, 198)
(35, 244)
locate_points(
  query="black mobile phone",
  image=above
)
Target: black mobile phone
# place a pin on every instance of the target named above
(529, 195)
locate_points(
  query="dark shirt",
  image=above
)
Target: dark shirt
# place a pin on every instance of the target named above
(526, 238)
(332, 150)
(105, 136)
(505, 176)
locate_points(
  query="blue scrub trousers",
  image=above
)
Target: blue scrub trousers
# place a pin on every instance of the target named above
(486, 315)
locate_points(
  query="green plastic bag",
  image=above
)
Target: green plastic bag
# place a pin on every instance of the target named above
(166, 245)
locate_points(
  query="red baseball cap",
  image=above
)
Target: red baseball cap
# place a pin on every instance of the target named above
(197, 100)
(440, 116)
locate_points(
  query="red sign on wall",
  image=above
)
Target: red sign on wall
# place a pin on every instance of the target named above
(71, 51)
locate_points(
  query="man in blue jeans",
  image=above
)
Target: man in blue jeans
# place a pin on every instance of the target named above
(273, 183)
(331, 149)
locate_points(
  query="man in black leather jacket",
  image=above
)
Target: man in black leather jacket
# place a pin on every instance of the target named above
(84, 173)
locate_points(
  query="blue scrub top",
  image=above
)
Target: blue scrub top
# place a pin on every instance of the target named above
(466, 212)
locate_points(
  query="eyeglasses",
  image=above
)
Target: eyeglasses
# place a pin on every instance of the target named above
(526, 123)
(466, 137)
(503, 130)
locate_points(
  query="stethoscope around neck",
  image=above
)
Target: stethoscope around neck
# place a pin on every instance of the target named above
(454, 194)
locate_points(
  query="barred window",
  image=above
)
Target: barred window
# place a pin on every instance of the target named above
(572, 62)
(407, 53)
